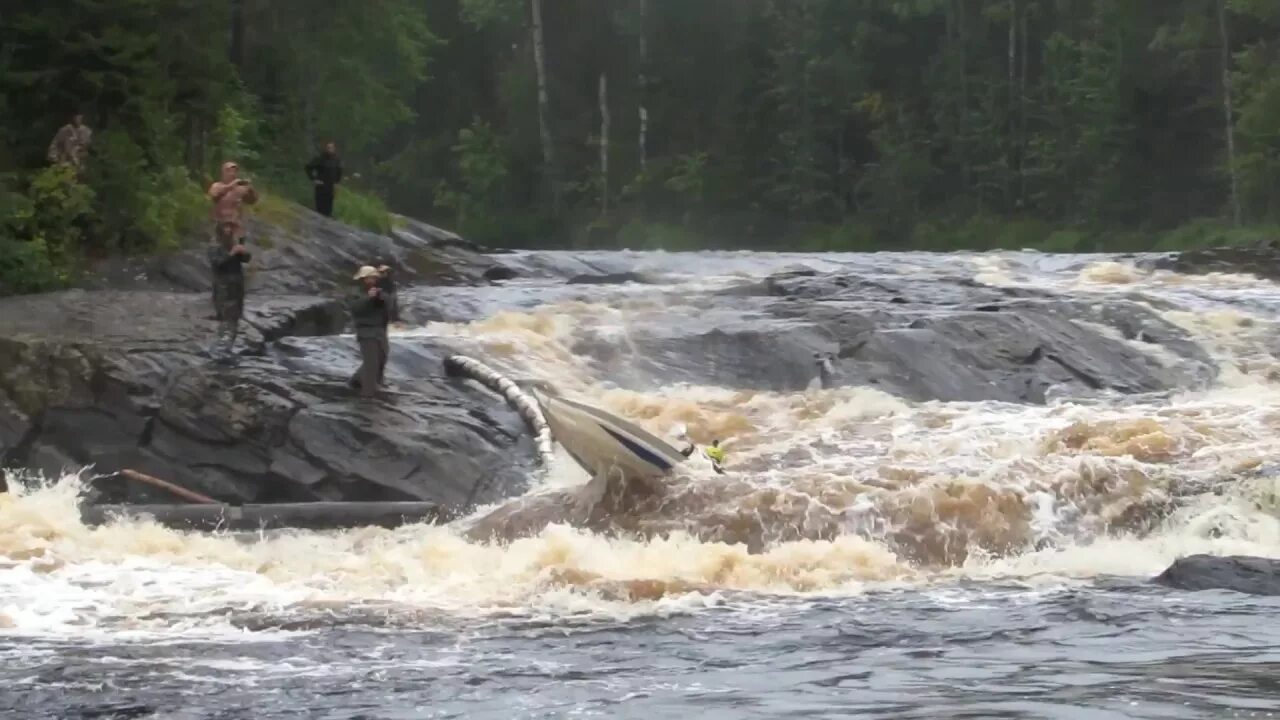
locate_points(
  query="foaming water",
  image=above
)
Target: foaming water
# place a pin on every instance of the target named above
(853, 522)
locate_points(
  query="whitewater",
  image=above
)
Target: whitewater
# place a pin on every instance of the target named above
(868, 556)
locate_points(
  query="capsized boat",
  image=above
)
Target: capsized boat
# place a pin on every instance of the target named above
(602, 442)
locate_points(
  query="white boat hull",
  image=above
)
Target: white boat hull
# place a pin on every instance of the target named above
(604, 443)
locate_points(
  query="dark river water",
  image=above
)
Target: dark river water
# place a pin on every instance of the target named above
(1103, 650)
(979, 573)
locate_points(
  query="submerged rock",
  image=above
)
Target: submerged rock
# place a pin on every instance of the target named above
(1260, 260)
(1249, 575)
(613, 278)
(921, 339)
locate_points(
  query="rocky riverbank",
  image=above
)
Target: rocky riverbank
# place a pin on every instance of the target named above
(114, 375)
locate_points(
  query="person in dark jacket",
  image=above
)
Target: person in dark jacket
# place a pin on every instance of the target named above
(325, 171)
(368, 309)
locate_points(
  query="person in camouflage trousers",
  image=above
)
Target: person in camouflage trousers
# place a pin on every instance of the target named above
(228, 255)
(369, 314)
(71, 145)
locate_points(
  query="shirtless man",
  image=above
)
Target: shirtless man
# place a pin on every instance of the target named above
(227, 255)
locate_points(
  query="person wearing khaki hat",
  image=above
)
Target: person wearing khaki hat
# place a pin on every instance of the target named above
(369, 313)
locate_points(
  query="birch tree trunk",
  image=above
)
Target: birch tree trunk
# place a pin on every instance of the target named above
(1010, 121)
(235, 41)
(642, 88)
(1228, 112)
(550, 173)
(963, 40)
(604, 144)
(1022, 115)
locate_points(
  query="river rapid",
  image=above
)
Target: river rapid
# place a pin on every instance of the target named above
(869, 555)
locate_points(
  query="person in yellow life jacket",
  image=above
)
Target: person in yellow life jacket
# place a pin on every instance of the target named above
(716, 453)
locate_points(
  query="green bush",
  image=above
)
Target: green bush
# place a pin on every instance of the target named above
(477, 196)
(139, 206)
(659, 236)
(170, 206)
(1065, 241)
(362, 210)
(847, 237)
(41, 230)
(1206, 233)
(26, 266)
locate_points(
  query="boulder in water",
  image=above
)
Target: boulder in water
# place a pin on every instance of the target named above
(613, 278)
(1262, 260)
(920, 338)
(1249, 575)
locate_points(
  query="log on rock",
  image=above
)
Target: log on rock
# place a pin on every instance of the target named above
(303, 516)
(178, 490)
(1250, 575)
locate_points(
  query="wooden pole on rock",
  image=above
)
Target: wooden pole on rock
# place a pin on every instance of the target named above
(181, 492)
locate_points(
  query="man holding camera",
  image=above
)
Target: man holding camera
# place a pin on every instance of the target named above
(370, 306)
(227, 255)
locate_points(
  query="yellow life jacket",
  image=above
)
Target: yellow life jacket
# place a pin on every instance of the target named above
(716, 454)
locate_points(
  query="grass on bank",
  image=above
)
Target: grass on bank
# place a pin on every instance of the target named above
(53, 224)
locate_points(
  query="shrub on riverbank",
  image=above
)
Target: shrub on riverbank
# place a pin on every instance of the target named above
(53, 224)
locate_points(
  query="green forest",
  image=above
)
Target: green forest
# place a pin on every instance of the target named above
(1064, 125)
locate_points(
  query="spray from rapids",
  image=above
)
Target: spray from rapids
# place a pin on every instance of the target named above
(833, 492)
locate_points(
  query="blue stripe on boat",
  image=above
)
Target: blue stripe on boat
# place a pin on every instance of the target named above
(641, 451)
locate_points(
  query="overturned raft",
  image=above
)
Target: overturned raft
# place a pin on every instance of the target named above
(527, 407)
(303, 516)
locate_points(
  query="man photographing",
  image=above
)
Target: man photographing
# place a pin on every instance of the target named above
(369, 307)
(227, 255)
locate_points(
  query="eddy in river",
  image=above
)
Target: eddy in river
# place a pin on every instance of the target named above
(227, 255)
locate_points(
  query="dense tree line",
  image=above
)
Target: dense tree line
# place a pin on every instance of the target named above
(816, 123)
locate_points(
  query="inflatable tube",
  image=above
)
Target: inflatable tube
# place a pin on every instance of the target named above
(526, 407)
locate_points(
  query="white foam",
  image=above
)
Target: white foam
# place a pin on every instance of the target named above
(967, 489)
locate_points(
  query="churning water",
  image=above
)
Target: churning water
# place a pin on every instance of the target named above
(869, 556)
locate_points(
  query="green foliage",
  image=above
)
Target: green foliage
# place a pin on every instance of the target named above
(482, 13)
(1206, 233)
(139, 205)
(41, 230)
(231, 139)
(659, 236)
(846, 237)
(803, 124)
(362, 210)
(482, 180)
(1258, 83)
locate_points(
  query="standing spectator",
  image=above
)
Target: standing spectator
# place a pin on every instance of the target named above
(368, 309)
(70, 145)
(227, 255)
(325, 171)
(387, 284)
